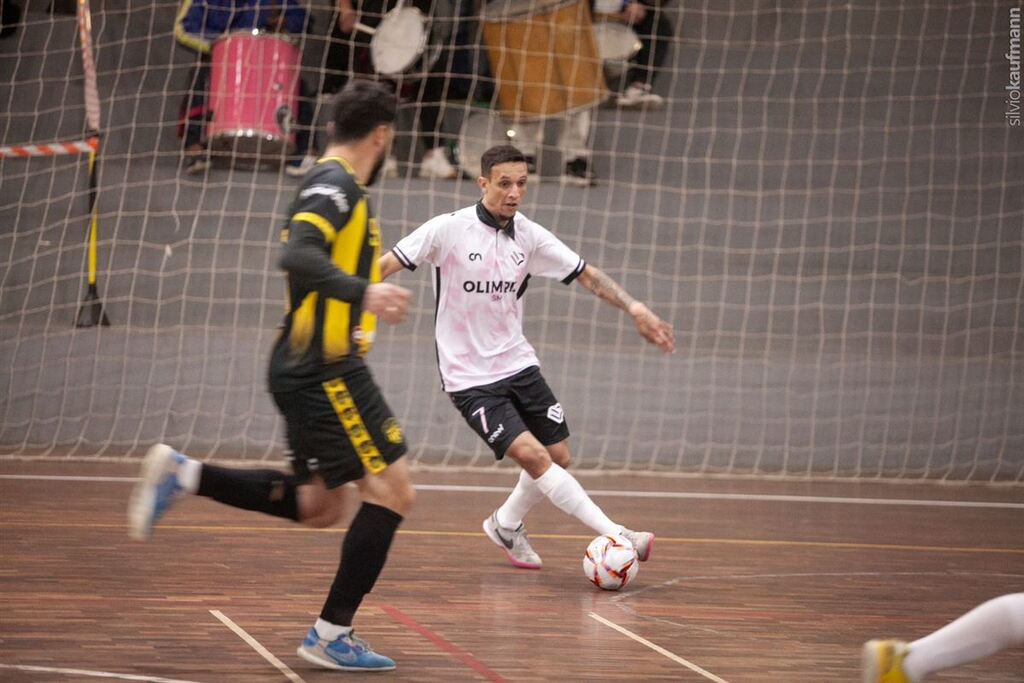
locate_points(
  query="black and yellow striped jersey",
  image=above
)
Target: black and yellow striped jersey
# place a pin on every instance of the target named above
(331, 248)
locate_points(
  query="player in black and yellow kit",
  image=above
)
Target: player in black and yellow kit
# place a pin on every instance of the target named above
(339, 427)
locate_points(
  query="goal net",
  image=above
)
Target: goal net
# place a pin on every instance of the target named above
(828, 206)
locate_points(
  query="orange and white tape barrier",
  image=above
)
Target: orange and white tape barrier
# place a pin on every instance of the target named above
(51, 149)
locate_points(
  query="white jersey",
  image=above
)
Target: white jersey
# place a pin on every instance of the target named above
(480, 274)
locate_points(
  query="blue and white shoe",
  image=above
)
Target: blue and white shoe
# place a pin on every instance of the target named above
(346, 653)
(156, 491)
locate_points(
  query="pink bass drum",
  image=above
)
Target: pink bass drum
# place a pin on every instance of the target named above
(254, 90)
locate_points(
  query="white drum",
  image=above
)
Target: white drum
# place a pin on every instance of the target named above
(399, 41)
(406, 42)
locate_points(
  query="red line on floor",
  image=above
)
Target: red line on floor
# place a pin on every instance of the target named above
(461, 655)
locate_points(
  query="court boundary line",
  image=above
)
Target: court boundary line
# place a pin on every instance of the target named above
(659, 649)
(840, 545)
(681, 495)
(255, 645)
(93, 673)
(449, 647)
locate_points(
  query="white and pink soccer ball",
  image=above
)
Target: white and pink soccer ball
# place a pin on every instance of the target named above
(610, 562)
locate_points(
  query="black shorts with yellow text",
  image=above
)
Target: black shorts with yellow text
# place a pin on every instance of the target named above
(341, 429)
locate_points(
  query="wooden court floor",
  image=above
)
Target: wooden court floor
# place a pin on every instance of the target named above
(749, 581)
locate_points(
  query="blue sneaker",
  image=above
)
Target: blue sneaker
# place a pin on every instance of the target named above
(347, 653)
(156, 491)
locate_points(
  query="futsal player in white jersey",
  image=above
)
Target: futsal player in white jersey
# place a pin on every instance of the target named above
(483, 257)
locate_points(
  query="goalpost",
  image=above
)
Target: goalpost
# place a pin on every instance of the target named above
(829, 207)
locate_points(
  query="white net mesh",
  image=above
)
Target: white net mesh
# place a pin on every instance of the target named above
(829, 207)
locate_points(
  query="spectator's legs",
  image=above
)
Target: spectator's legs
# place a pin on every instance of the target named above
(431, 95)
(196, 111)
(655, 33)
(574, 143)
(304, 131)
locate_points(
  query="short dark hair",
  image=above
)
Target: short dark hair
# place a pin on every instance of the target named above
(359, 108)
(500, 154)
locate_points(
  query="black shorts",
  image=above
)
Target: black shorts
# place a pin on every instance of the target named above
(501, 411)
(341, 429)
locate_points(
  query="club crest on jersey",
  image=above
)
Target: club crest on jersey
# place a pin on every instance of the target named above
(392, 432)
(518, 258)
(555, 413)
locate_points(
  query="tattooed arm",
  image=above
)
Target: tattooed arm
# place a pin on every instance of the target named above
(598, 282)
(648, 325)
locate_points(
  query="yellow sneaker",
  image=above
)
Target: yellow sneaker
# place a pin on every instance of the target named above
(882, 661)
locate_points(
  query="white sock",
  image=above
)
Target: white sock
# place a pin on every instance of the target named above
(565, 492)
(986, 629)
(524, 496)
(328, 631)
(188, 475)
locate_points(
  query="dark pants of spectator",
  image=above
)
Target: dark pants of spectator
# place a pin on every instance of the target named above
(348, 56)
(655, 33)
(195, 113)
(10, 17)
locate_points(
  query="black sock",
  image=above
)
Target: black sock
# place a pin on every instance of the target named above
(268, 491)
(363, 553)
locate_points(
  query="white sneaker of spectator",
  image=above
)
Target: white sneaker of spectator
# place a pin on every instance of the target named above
(640, 95)
(390, 169)
(436, 165)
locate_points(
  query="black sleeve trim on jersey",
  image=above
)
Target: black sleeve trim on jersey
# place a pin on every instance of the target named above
(580, 267)
(403, 259)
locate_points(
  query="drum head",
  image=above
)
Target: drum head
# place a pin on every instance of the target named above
(256, 34)
(485, 128)
(399, 41)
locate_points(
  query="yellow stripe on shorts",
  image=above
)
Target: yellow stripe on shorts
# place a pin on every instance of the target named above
(345, 406)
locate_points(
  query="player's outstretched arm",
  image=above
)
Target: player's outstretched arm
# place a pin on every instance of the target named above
(648, 325)
(388, 302)
(307, 263)
(389, 265)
